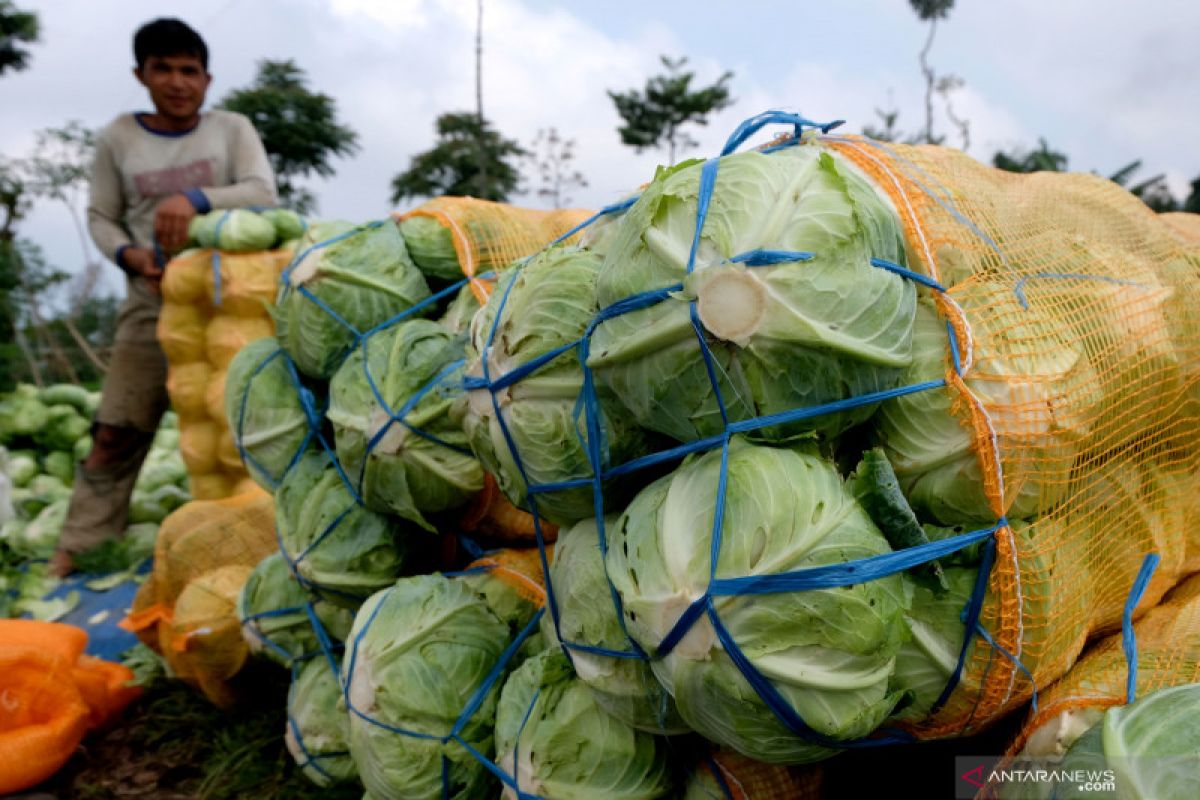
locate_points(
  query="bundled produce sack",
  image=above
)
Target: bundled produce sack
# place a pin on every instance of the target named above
(214, 304)
(1167, 654)
(187, 608)
(422, 671)
(318, 726)
(343, 282)
(280, 618)
(728, 775)
(272, 415)
(556, 743)
(450, 238)
(1009, 360)
(512, 584)
(530, 323)
(390, 407)
(337, 548)
(583, 613)
(1146, 750)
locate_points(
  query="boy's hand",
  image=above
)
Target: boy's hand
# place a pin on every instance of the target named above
(140, 261)
(171, 222)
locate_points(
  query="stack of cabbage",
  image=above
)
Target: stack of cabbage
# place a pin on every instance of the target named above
(316, 413)
(46, 432)
(788, 298)
(214, 302)
(681, 368)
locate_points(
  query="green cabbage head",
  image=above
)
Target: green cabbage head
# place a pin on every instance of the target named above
(550, 301)
(343, 551)
(318, 727)
(264, 411)
(432, 248)
(285, 637)
(1037, 388)
(366, 278)
(288, 224)
(417, 654)
(1152, 746)
(235, 231)
(829, 652)
(624, 687)
(559, 744)
(785, 336)
(398, 468)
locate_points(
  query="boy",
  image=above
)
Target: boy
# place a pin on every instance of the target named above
(152, 173)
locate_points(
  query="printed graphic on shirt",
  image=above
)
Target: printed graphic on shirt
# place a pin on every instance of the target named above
(174, 180)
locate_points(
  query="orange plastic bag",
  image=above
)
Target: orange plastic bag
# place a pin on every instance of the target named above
(50, 696)
(492, 515)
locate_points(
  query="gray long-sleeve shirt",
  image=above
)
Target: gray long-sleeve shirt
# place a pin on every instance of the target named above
(220, 163)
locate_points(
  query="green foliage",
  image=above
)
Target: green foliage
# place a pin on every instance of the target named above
(1043, 159)
(931, 9)
(299, 127)
(17, 29)
(469, 158)
(656, 116)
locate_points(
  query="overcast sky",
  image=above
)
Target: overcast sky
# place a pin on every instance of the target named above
(1103, 80)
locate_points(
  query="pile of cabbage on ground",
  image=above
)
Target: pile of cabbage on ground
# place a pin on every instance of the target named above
(378, 409)
(729, 390)
(43, 433)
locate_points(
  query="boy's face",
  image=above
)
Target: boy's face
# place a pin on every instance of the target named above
(177, 84)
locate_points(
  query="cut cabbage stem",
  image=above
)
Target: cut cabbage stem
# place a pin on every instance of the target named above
(732, 305)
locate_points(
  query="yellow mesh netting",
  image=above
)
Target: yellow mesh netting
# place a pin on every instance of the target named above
(1185, 226)
(1107, 440)
(204, 551)
(200, 338)
(746, 779)
(1168, 654)
(489, 236)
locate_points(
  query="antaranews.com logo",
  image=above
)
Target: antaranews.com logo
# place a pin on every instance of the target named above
(1017, 779)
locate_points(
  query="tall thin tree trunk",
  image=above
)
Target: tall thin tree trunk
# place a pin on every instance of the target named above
(48, 345)
(34, 371)
(84, 345)
(483, 176)
(930, 78)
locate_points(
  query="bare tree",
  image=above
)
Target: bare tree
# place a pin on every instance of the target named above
(551, 159)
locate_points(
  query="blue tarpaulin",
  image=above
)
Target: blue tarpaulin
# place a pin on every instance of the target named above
(98, 613)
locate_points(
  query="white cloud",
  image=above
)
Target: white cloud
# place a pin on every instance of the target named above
(1105, 82)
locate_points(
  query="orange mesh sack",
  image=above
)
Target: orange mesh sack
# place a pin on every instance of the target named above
(453, 237)
(1185, 225)
(197, 538)
(203, 643)
(1168, 654)
(214, 303)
